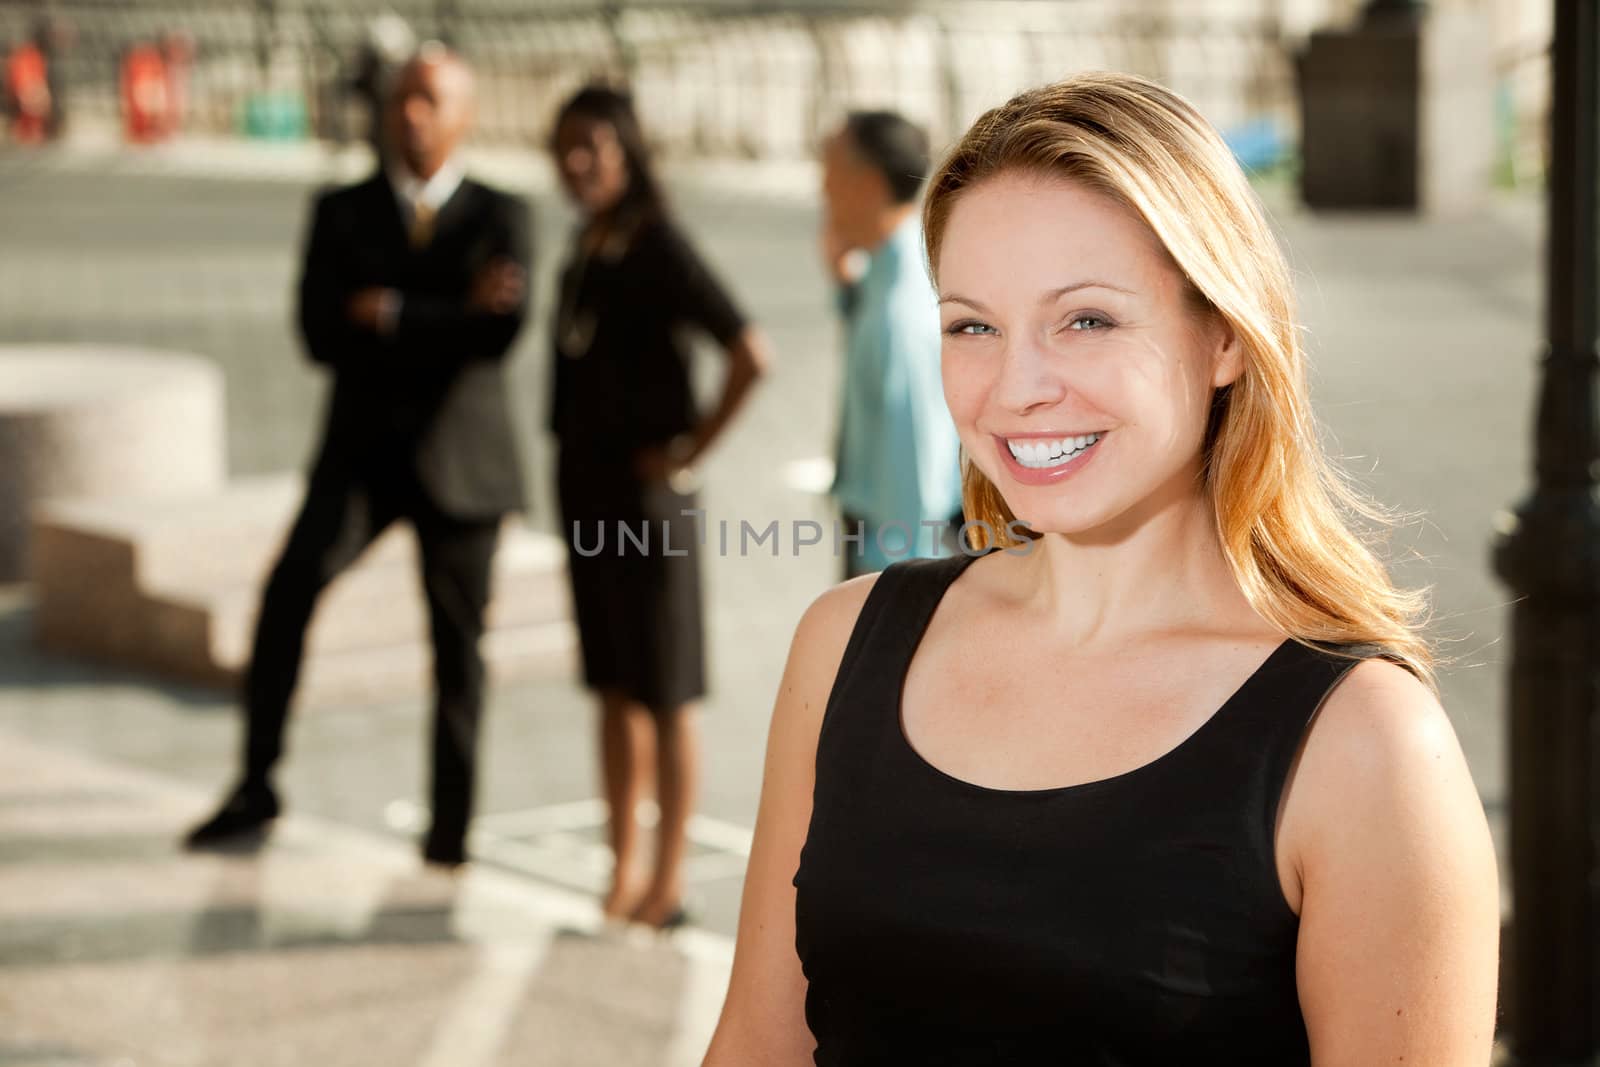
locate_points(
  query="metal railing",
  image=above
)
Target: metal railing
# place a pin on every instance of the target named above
(718, 79)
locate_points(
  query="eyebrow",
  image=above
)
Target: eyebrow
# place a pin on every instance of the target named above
(1054, 294)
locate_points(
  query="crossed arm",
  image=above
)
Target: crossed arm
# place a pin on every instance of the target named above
(340, 318)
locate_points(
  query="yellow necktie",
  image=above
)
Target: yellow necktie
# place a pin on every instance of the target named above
(422, 217)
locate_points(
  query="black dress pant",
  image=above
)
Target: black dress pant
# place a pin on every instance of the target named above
(336, 524)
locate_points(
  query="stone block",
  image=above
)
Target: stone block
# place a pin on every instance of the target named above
(93, 420)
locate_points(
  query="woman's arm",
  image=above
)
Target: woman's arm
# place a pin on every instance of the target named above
(1399, 917)
(690, 293)
(763, 1019)
(749, 357)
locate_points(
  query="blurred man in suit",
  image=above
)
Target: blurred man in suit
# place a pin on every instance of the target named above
(414, 287)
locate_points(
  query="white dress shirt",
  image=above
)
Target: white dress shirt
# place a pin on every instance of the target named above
(409, 191)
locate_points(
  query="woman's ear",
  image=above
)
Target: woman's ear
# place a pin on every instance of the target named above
(1227, 353)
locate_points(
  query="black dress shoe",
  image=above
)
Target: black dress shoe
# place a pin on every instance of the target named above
(446, 854)
(241, 823)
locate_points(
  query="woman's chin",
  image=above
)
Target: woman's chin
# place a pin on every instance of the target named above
(1054, 518)
(1057, 528)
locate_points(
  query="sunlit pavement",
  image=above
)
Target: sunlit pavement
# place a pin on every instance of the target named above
(328, 946)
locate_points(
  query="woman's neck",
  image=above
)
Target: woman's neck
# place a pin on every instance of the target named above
(1159, 569)
(603, 226)
(598, 228)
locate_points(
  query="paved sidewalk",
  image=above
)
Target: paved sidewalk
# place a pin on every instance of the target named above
(330, 947)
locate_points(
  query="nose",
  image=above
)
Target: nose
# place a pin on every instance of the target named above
(577, 161)
(415, 110)
(1029, 380)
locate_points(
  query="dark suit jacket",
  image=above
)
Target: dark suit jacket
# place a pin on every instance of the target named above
(429, 397)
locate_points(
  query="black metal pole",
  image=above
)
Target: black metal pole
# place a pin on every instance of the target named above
(1550, 557)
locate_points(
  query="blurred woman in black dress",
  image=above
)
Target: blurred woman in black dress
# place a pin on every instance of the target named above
(629, 436)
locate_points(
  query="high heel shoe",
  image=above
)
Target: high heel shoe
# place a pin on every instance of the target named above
(675, 919)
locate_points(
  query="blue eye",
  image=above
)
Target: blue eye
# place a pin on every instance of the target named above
(959, 328)
(1095, 322)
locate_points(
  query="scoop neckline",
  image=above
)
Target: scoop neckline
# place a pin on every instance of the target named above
(1093, 785)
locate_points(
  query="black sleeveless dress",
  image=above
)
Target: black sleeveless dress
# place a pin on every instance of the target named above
(1135, 920)
(621, 381)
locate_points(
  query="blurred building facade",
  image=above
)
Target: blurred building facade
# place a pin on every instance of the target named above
(718, 78)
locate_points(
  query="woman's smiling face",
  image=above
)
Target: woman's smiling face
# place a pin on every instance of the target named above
(591, 162)
(1077, 367)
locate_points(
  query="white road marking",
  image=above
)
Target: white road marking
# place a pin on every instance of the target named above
(475, 1027)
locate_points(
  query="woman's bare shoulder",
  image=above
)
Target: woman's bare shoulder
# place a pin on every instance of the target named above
(824, 631)
(1381, 751)
(1381, 719)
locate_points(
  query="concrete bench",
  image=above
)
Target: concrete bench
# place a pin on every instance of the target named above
(99, 420)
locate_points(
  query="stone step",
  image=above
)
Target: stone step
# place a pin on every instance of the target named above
(174, 586)
(216, 538)
(373, 604)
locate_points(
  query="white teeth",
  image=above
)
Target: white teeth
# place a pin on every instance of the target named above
(1043, 454)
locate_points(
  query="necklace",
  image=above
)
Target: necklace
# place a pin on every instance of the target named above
(575, 329)
(575, 326)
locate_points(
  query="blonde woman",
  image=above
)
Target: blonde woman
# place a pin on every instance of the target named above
(1165, 782)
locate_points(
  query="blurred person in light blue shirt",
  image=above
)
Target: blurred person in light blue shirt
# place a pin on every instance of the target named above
(897, 468)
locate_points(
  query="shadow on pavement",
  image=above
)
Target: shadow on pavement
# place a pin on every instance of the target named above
(24, 665)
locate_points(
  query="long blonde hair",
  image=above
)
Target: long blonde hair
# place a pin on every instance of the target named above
(1280, 504)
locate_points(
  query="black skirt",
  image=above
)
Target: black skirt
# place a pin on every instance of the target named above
(633, 557)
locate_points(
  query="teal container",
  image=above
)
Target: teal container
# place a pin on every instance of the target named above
(278, 116)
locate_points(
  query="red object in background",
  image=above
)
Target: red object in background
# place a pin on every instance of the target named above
(177, 49)
(28, 85)
(146, 95)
